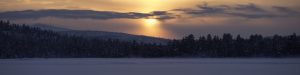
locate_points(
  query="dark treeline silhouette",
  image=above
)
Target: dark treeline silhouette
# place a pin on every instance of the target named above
(229, 46)
(21, 41)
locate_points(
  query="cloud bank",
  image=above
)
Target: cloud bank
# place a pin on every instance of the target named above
(90, 14)
(250, 10)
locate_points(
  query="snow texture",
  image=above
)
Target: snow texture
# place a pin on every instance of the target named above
(140, 66)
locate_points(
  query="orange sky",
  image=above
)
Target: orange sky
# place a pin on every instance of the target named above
(194, 21)
(128, 5)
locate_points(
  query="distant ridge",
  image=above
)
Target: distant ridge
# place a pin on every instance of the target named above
(103, 34)
(50, 27)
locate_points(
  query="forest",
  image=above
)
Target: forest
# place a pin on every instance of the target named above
(23, 41)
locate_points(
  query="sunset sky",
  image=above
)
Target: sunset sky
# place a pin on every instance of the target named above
(160, 18)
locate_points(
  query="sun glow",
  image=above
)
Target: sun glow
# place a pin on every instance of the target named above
(151, 27)
(151, 22)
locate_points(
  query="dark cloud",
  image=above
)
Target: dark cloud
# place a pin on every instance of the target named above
(286, 10)
(34, 14)
(253, 16)
(250, 10)
(204, 10)
(160, 13)
(163, 15)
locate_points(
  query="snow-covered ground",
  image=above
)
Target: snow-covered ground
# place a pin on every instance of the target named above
(140, 66)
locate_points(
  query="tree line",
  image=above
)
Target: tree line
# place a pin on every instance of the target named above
(22, 41)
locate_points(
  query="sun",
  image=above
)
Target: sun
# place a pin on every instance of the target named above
(151, 27)
(151, 22)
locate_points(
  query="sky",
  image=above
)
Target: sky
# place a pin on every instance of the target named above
(160, 18)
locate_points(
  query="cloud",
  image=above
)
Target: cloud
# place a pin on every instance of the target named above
(253, 16)
(250, 11)
(286, 10)
(203, 10)
(249, 8)
(74, 14)
(164, 15)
